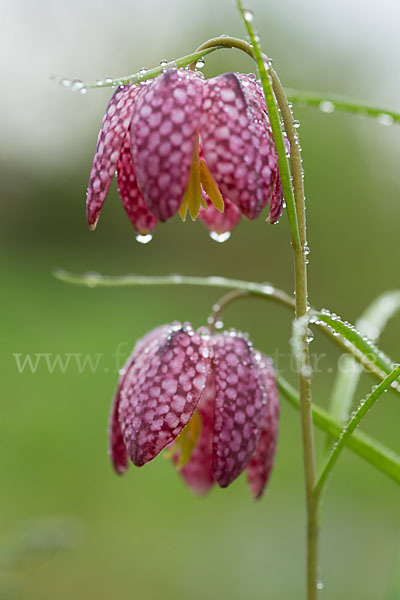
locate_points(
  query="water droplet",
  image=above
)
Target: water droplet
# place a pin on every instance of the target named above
(326, 106)
(310, 336)
(320, 585)
(108, 80)
(163, 64)
(296, 124)
(385, 119)
(83, 90)
(144, 239)
(256, 36)
(100, 82)
(76, 85)
(306, 250)
(205, 353)
(220, 237)
(200, 63)
(143, 71)
(248, 15)
(219, 324)
(66, 82)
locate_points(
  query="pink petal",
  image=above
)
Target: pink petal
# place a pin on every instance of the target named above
(116, 445)
(260, 464)
(218, 222)
(197, 472)
(163, 133)
(162, 390)
(277, 201)
(117, 449)
(111, 136)
(136, 209)
(239, 405)
(237, 143)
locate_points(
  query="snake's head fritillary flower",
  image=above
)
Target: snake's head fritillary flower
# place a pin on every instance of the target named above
(211, 401)
(179, 143)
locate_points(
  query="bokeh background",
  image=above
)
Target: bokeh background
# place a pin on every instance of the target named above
(144, 535)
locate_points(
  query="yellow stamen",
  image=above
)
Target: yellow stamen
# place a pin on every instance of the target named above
(210, 186)
(183, 209)
(199, 177)
(186, 441)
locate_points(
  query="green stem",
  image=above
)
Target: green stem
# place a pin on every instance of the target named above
(352, 424)
(295, 203)
(372, 451)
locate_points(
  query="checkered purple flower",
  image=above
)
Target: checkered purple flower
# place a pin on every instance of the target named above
(210, 400)
(182, 143)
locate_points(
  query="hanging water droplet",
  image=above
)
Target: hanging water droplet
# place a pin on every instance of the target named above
(83, 90)
(220, 237)
(66, 82)
(219, 324)
(200, 63)
(248, 14)
(144, 239)
(320, 585)
(385, 119)
(326, 106)
(310, 336)
(256, 36)
(76, 85)
(296, 124)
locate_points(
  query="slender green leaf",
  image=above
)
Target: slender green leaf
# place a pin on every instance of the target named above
(362, 410)
(372, 451)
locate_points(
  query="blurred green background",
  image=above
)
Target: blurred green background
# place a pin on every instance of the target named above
(144, 535)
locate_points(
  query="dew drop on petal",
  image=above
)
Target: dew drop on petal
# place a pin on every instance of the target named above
(220, 237)
(144, 239)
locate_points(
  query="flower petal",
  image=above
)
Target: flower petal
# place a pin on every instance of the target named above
(163, 133)
(197, 472)
(260, 464)
(162, 390)
(116, 444)
(277, 201)
(237, 143)
(136, 209)
(117, 450)
(239, 405)
(111, 136)
(220, 222)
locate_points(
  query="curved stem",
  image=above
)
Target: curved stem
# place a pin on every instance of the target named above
(224, 42)
(222, 303)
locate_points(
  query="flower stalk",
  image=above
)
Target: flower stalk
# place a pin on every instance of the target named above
(295, 201)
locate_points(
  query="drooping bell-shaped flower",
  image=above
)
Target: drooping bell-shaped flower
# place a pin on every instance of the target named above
(211, 401)
(182, 143)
